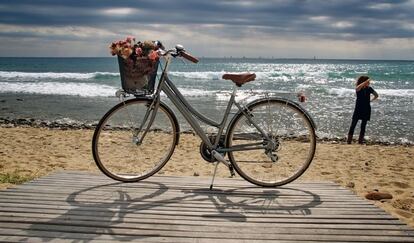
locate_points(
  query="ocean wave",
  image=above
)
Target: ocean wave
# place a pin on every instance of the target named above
(345, 92)
(100, 90)
(396, 92)
(211, 75)
(198, 75)
(386, 92)
(80, 89)
(187, 92)
(264, 76)
(56, 88)
(32, 76)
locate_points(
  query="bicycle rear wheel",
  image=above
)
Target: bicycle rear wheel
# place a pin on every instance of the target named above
(285, 155)
(116, 145)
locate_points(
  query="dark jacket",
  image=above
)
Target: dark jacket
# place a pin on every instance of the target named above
(363, 104)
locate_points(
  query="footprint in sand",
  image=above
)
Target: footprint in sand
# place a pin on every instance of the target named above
(403, 213)
(399, 192)
(326, 173)
(406, 204)
(400, 184)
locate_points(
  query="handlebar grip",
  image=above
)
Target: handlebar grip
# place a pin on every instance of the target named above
(189, 57)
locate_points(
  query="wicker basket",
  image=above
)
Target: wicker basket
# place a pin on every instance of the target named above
(138, 77)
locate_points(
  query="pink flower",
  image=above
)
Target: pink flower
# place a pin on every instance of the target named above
(153, 56)
(130, 39)
(138, 51)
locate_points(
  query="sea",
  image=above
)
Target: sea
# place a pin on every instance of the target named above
(81, 90)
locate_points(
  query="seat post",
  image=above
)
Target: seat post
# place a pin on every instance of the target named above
(234, 90)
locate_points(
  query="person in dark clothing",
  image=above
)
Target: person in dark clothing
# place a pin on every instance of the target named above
(362, 107)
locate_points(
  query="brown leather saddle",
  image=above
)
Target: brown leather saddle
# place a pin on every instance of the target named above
(240, 79)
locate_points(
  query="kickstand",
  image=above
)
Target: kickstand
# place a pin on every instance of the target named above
(232, 174)
(214, 175)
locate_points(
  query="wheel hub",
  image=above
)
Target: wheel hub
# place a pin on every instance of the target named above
(272, 146)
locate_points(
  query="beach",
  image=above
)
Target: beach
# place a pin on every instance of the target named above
(31, 152)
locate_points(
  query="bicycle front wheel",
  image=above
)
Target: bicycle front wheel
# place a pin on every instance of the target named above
(283, 153)
(120, 148)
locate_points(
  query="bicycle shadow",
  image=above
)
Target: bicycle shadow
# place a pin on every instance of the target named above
(94, 214)
(262, 202)
(104, 211)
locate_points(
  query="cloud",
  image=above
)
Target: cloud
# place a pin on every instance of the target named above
(228, 21)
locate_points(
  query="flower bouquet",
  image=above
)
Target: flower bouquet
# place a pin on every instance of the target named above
(128, 49)
(138, 64)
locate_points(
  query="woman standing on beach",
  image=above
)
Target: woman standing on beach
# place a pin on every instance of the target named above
(362, 107)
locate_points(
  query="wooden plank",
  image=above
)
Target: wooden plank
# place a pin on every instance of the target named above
(185, 211)
(19, 236)
(282, 204)
(77, 206)
(241, 228)
(160, 219)
(223, 234)
(186, 188)
(174, 225)
(148, 193)
(237, 216)
(146, 190)
(186, 195)
(172, 185)
(154, 184)
(165, 205)
(189, 196)
(199, 181)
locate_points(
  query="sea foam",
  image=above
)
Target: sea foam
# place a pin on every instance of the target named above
(32, 76)
(56, 88)
(385, 92)
(79, 89)
(396, 92)
(211, 75)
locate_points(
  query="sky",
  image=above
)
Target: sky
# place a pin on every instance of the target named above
(342, 29)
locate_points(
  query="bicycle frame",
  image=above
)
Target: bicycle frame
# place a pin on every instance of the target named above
(189, 113)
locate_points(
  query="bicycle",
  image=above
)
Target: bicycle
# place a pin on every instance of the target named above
(269, 141)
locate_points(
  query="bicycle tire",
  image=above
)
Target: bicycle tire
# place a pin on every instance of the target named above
(115, 148)
(290, 128)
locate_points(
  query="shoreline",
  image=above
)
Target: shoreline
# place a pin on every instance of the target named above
(28, 152)
(64, 125)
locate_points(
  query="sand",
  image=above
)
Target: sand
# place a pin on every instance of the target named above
(28, 152)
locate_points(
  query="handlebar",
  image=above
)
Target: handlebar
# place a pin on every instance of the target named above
(189, 57)
(178, 51)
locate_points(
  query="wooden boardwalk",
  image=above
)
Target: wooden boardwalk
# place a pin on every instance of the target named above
(82, 207)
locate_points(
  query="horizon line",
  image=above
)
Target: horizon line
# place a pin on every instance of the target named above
(232, 57)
